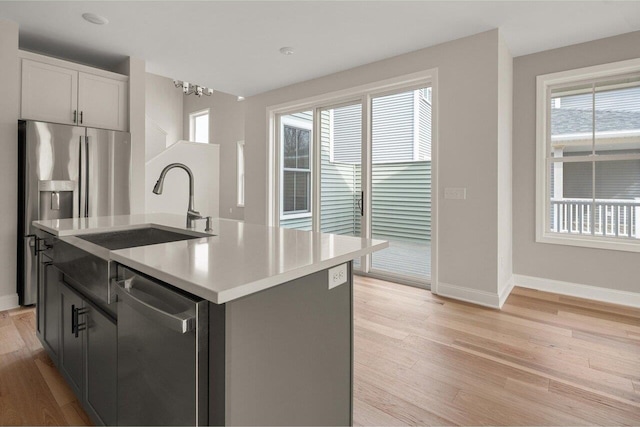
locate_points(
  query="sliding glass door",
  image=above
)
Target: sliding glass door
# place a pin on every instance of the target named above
(363, 168)
(401, 184)
(340, 134)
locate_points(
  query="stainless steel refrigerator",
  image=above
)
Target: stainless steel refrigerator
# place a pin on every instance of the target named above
(64, 172)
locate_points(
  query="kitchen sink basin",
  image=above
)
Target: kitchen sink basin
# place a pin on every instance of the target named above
(138, 237)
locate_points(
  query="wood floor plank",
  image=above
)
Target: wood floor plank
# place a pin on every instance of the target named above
(26, 399)
(10, 339)
(365, 414)
(25, 323)
(60, 390)
(75, 415)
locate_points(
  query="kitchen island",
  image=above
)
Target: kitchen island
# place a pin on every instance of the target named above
(277, 317)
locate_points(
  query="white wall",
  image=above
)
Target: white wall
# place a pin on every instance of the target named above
(505, 199)
(163, 109)
(468, 113)
(595, 267)
(203, 160)
(135, 69)
(226, 128)
(9, 113)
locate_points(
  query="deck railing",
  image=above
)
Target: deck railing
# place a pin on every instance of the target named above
(602, 217)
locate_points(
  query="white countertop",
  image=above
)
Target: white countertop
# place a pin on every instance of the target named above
(239, 259)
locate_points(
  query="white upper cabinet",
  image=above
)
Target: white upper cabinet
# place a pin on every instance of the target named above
(74, 95)
(49, 93)
(102, 102)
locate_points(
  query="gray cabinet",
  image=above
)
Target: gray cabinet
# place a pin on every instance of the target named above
(50, 294)
(71, 338)
(88, 341)
(101, 366)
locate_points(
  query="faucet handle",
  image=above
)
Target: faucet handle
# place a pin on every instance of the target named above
(208, 225)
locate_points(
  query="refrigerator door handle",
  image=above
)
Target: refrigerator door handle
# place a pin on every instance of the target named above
(81, 183)
(86, 183)
(33, 243)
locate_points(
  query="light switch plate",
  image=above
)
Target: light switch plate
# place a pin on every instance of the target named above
(337, 275)
(455, 193)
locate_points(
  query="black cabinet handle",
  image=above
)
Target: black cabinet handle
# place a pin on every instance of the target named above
(74, 320)
(76, 326)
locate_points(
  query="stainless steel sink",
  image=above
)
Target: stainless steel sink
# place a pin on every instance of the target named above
(138, 237)
(92, 273)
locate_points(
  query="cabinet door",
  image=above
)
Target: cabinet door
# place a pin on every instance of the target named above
(102, 102)
(49, 93)
(101, 365)
(51, 297)
(72, 346)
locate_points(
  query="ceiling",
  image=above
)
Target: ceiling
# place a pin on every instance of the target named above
(232, 46)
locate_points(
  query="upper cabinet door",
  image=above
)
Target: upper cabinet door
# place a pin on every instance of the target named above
(49, 93)
(102, 102)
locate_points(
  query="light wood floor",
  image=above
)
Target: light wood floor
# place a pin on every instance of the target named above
(420, 359)
(32, 392)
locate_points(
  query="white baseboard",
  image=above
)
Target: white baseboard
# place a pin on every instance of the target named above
(631, 299)
(504, 294)
(7, 302)
(474, 296)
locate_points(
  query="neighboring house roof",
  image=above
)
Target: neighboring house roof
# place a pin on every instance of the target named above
(572, 121)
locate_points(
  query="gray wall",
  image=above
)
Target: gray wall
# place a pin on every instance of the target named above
(610, 269)
(9, 113)
(468, 148)
(226, 128)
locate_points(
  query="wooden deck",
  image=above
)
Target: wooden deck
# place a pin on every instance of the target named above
(406, 258)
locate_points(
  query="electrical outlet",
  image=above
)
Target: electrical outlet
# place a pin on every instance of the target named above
(337, 275)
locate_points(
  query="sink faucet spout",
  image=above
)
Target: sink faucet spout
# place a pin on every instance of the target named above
(192, 214)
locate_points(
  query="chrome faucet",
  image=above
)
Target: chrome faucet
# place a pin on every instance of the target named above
(192, 214)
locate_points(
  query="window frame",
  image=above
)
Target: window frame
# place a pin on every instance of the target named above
(192, 125)
(544, 84)
(287, 120)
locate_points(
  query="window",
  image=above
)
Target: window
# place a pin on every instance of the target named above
(240, 172)
(199, 126)
(588, 185)
(296, 165)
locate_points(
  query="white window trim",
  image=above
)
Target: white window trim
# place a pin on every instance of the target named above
(286, 120)
(544, 84)
(192, 127)
(240, 171)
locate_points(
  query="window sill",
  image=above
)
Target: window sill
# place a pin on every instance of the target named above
(593, 242)
(295, 215)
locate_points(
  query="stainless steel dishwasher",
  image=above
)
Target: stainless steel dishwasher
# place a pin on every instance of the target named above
(162, 353)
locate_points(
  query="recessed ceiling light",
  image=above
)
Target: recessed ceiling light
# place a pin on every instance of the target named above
(95, 19)
(286, 50)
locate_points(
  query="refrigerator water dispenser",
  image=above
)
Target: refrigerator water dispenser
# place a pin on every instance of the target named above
(57, 199)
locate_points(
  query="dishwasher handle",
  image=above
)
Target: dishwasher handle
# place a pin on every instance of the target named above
(142, 302)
